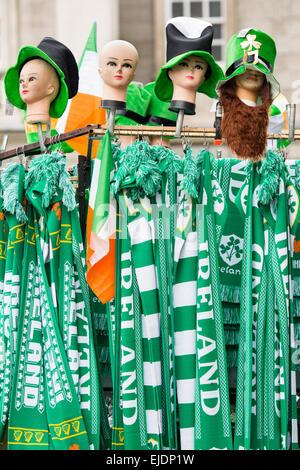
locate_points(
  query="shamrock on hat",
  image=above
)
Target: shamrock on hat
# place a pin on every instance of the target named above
(251, 49)
(188, 36)
(63, 61)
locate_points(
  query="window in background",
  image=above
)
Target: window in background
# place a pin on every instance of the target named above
(213, 11)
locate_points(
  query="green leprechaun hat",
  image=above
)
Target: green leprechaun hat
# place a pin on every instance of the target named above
(188, 36)
(137, 103)
(251, 49)
(63, 61)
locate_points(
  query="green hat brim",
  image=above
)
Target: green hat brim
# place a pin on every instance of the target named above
(275, 86)
(164, 86)
(12, 77)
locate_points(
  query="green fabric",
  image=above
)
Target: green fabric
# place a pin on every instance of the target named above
(212, 411)
(158, 107)
(11, 81)
(137, 100)
(266, 387)
(266, 49)
(12, 245)
(164, 87)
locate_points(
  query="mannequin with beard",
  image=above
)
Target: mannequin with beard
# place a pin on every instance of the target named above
(246, 101)
(247, 93)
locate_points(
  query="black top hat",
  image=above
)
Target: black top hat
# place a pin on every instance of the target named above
(185, 34)
(64, 59)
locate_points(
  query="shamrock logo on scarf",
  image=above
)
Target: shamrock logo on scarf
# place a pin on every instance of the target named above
(231, 249)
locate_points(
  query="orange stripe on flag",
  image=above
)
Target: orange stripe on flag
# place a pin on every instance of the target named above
(101, 276)
(85, 109)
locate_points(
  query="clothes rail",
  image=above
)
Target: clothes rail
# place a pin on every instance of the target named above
(32, 148)
(96, 131)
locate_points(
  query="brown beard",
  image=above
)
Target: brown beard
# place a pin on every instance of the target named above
(245, 127)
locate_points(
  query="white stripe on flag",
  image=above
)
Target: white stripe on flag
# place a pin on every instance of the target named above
(151, 326)
(146, 277)
(186, 391)
(154, 421)
(152, 373)
(187, 438)
(185, 342)
(94, 184)
(139, 231)
(184, 294)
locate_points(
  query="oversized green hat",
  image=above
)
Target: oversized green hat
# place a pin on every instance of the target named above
(63, 61)
(188, 36)
(137, 104)
(253, 49)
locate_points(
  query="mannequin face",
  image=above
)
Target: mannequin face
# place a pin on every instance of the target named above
(38, 80)
(251, 80)
(118, 61)
(189, 73)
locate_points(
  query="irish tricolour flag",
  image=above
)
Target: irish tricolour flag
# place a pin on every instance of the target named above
(101, 225)
(84, 108)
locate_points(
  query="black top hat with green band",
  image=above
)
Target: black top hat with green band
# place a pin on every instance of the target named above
(137, 103)
(188, 36)
(63, 61)
(253, 49)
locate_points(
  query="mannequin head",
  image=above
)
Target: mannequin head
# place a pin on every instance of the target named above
(187, 76)
(249, 84)
(38, 86)
(118, 62)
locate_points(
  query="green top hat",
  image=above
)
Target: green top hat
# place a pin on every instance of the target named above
(137, 103)
(63, 61)
(185, 37)
(254, 49)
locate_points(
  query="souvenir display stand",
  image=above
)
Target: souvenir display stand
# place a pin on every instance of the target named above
(172, 277)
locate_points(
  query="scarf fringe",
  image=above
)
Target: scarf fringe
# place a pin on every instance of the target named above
(12, 187)
(230, 294)
(271, 170)
(52, 169)
(139, 163)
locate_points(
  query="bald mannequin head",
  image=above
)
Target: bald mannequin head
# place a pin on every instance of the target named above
(118, 62)
(38, 87)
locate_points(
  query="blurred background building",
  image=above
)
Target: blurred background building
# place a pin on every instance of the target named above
(142, 22)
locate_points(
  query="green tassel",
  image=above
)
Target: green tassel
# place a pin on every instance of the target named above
(297, 286)
(167, 158)
(191, 173)
(138, 163)
(271, 170)
(231, 294)
(51, 168)
(12, 184)
(231, 313)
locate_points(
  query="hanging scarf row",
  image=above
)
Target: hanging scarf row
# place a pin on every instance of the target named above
(204, 282)
(51, 394)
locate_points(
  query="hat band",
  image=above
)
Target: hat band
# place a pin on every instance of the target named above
(161, 121)
(132, 115)
(250, 60)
